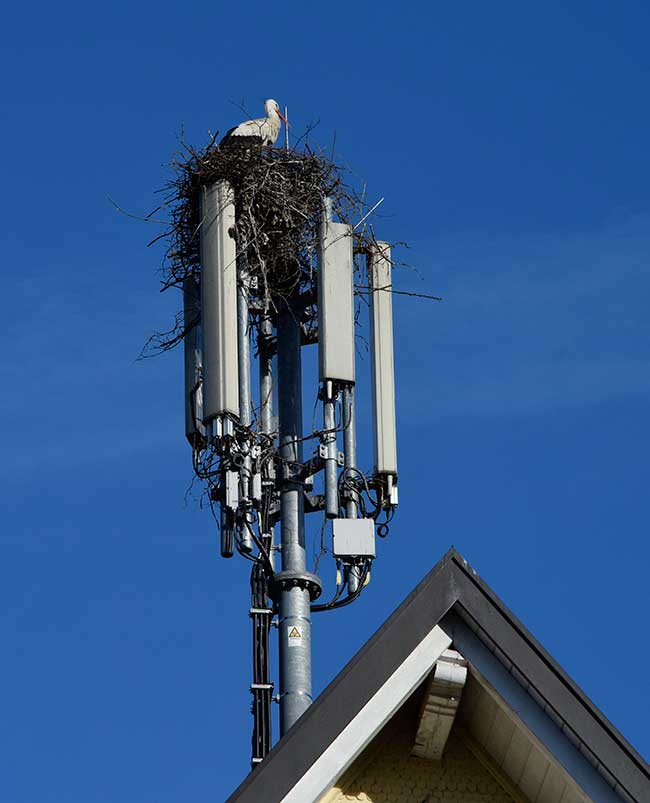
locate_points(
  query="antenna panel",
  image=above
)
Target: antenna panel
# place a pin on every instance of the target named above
(219, 301)
(383, 371)
(194, 430)
(335, 303)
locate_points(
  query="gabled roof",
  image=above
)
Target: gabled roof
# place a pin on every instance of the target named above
(451, 606)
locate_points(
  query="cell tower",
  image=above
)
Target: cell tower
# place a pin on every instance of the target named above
(253, 455)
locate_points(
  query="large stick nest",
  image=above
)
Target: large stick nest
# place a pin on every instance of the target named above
(279, 199)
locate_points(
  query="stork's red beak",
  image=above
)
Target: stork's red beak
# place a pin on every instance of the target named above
(282, 117)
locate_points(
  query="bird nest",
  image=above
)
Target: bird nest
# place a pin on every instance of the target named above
(279, 200)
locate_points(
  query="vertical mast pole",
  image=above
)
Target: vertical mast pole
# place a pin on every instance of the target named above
(266, 374)
(348, 417)
(331, 460)
(292, 589)
(350, 446)
(244, 392)
(261, 614)
(265, 344)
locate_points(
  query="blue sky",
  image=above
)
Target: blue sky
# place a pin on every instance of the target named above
(510, 142)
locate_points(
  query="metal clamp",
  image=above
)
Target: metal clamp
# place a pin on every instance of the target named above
(288, 579)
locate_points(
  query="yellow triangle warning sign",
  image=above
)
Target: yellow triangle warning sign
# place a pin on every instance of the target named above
(295, 633)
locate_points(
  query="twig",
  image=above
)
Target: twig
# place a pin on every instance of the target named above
(147, 219)
(389, 289)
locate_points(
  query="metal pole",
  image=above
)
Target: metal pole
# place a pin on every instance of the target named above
(261, 614)
(350, 451)
(244, 366)
(331, 459)
(350, 445)
(266, 411)
(294, 598)
(266, 375)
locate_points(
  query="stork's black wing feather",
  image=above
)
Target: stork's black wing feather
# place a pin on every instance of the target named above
(227, 135)
(240, 142)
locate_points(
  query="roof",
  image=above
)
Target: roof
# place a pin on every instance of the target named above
(451, 606)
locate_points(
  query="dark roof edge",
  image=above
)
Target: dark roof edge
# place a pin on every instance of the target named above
(464, 575)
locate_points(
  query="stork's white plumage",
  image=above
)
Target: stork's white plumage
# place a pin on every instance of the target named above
(265, 129)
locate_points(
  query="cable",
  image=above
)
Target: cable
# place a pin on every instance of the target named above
(336, 603)
(339, 590)
(352, 486)
(265, 555)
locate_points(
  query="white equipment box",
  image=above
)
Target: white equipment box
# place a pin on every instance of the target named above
(354, 538)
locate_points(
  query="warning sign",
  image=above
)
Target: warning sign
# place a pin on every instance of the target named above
(294, 636)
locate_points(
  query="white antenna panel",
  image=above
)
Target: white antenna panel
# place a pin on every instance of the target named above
(192, 349)
(219, 301)
(383, 371)
(335, 303)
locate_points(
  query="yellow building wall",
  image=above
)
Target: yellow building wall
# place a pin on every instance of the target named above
(387, 773)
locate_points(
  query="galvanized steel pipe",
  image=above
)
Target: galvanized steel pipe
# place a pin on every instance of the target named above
(294, 602)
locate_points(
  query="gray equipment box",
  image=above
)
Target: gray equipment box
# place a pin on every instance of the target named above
(354, 538)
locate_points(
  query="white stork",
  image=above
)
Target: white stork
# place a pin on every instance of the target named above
(266, 129)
